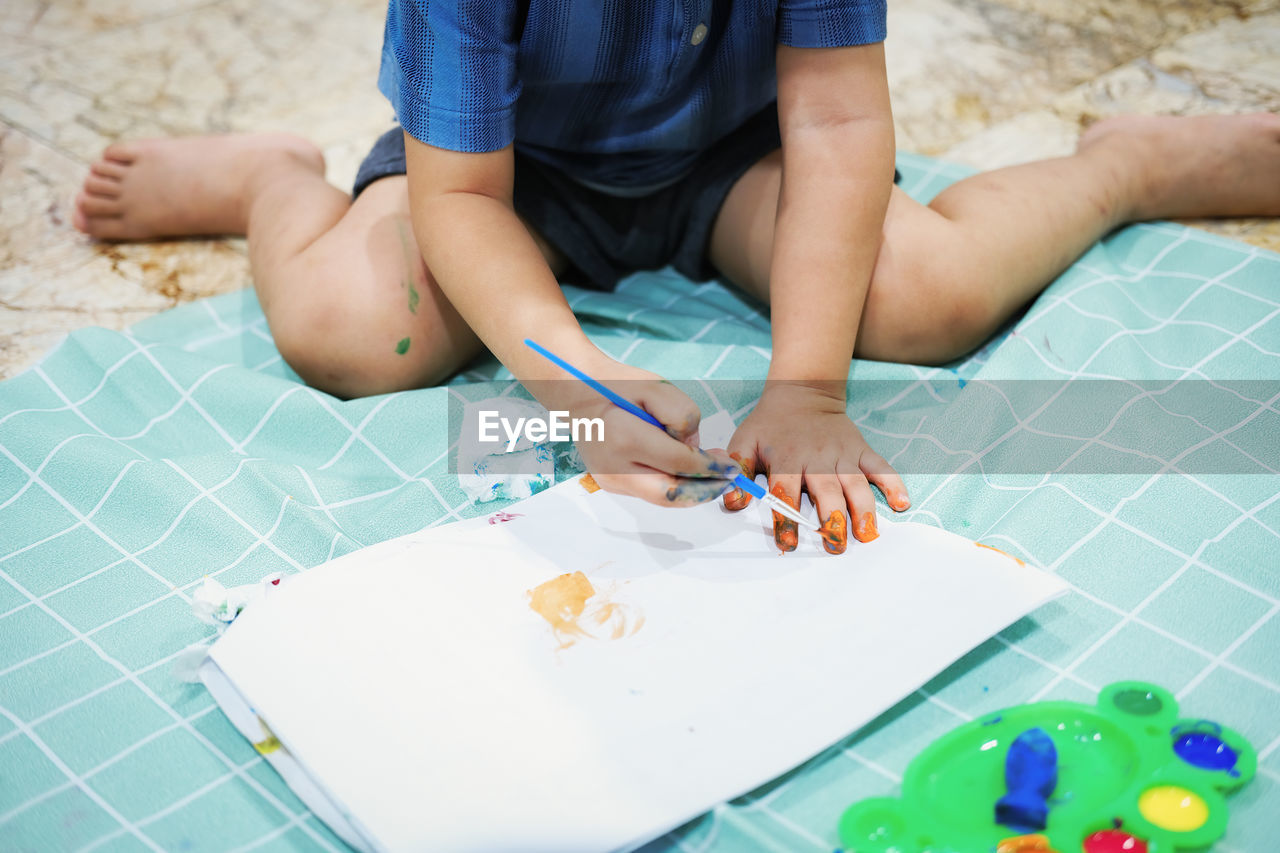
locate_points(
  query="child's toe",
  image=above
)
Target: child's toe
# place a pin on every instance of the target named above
(120, 152)
(95, 185)
(96, 205)
(108, 169)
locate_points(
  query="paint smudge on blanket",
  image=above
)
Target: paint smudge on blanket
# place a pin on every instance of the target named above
(574, 609)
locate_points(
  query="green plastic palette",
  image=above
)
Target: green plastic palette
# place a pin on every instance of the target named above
(1131, 776)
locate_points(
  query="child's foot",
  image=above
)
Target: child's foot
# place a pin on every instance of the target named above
(1195, 166)
(184, 186)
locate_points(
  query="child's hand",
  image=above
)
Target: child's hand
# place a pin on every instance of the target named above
(800, 435)
(636, 458)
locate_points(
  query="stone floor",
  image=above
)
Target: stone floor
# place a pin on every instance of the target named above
(984, 82)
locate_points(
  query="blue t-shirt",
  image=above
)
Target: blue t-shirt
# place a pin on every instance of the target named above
(616, 93)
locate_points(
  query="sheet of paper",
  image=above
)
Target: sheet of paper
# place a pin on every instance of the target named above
(433, 693)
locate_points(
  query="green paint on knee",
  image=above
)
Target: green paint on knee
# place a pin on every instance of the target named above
(402, 347)
(410, 263)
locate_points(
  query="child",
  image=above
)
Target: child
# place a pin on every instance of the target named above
(584, 140)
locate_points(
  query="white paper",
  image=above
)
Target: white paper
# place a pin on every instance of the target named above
(440, 712)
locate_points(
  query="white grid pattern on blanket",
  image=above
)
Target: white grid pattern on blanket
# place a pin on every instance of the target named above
(773, 817)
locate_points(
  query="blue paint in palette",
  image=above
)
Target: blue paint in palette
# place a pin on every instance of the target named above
(1204, 749)
(1030, 775)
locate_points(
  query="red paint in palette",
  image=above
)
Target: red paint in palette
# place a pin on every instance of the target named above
(1114, 841)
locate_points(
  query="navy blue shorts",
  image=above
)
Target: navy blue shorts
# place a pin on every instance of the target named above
(605, 238)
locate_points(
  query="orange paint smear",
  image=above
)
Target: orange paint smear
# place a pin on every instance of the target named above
(566, 602)
(998, 551)
(865, 530)
(786, 533)
(589, 483)
(1025, 844)
(834, 533)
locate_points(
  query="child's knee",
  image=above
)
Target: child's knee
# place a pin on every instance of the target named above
(335, 341)
(929, 315)
(970, 312)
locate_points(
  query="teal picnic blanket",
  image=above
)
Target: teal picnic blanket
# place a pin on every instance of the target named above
(133, 464)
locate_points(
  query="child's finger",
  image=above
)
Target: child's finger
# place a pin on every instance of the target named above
(630, 442)
(881, 473)
(862, 505)
(673, 408)
(827, 493)
(736, 499)
(786, 533)
(679, 460)
(663, 489)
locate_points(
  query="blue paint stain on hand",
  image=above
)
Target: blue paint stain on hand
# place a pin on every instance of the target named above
(1030, 775)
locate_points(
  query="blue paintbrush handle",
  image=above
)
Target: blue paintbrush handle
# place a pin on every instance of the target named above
(617, 399)
(749, 486)
(774, 502)
(741, 481)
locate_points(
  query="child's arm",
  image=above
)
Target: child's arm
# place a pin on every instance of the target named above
(487, 263)
(837, 173)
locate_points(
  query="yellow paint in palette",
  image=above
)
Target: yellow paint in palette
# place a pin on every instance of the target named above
(1173, 807)
(573, 609)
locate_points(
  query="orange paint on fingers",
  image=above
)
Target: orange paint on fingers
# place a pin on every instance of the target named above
(865, 529)
(786, 533)
(835, 533)
(738, 499)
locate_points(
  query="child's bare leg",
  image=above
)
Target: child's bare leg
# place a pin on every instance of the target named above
(949, 274)
(350, 303)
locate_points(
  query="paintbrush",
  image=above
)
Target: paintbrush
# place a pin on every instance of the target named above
(743, 482)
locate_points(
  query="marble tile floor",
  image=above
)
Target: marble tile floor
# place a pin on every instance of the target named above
(983, 82)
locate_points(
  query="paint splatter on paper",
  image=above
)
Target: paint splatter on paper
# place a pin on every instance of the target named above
(573, 608)
(998, 551)
(589, 483)
(269, 743)
(503, 517)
